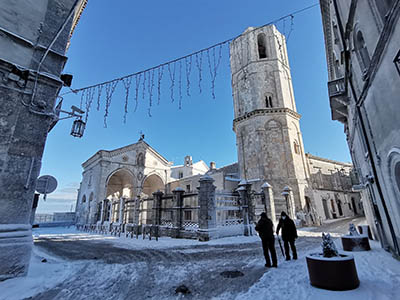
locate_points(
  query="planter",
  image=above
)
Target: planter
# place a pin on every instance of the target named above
(355, 243)
(336, 273)
(365, 230)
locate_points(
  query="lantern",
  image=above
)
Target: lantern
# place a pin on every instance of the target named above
(78, 127)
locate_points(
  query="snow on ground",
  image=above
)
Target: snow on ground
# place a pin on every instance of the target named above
(378, 272)
(41, 276)
(67, 234)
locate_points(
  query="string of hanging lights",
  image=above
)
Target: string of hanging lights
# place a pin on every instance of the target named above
(144, 81)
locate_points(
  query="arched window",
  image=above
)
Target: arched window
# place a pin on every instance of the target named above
(362, 51)
(83, 199)
(268, 101)
(296, 147)
(140, 160)
(397, 174)
(262, 47)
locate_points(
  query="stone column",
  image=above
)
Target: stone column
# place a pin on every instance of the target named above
(121, 210)
(157, 196)
(178, 211)
(207, 213)
(269, 204)
(136, 214)
(102, 212)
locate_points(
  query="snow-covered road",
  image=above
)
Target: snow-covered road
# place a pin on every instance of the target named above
(88, 266)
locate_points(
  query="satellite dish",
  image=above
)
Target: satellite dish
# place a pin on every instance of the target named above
(46, 184)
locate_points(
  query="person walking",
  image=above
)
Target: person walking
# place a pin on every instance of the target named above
(289, 234)
(265, 229)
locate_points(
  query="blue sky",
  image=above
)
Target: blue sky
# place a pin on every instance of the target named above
(115, 40)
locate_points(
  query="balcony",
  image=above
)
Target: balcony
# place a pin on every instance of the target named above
(338, 99)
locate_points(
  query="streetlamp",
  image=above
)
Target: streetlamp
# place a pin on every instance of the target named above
(286, 193)
(78, 127)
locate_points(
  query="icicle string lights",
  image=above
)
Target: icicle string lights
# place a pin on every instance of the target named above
(145, 86)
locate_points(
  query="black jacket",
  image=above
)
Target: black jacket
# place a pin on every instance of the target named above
(289, 231)
(265, 228)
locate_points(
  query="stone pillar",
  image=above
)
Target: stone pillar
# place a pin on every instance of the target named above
(157, 196)
(269, 204)
(247, 207)
(136, 211)
(178, 215)
(102, 212)
(207, 213)
(121, 211)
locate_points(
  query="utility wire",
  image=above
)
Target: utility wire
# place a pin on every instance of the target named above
(191, 54)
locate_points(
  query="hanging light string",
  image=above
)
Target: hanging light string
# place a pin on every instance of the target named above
(144, 80)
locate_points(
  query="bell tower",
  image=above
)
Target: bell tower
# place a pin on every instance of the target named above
(266, 123)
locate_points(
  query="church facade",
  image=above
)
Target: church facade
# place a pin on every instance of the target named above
(269, 146)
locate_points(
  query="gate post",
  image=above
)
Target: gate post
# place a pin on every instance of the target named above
(243, 190)
(177, 216)
(157, 207)
(207, 214)
(269, 204)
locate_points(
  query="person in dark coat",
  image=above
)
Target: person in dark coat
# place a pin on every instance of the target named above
(265, 229)
(289, 234)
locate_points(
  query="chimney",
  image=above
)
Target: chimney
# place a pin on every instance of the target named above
(212, 165)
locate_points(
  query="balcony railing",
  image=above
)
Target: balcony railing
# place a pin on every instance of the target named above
(337, 88)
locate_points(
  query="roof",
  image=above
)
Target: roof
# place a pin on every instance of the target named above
(118, 151)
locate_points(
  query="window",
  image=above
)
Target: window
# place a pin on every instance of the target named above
(262, 49)
(362, 51)
(83, 199)
(335, 32)
(188, 215)
(296, 147)
(180, 175)
(140, 160)
(268, 101)
(188, 188)
(397, 174)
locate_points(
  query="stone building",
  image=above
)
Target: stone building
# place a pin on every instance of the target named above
(363, 56)
(269, 144)
(33, 41)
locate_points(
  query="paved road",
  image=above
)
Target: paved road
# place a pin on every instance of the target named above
(108, 272)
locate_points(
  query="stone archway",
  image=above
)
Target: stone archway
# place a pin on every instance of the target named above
(120, 186)
(152, 183)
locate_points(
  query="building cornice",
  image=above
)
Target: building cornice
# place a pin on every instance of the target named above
(265, 111)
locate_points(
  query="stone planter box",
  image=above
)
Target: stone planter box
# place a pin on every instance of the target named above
(336, 273)
(355, 243)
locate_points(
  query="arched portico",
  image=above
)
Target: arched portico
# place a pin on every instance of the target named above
(119, 188)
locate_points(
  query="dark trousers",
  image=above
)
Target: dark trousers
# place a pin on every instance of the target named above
(292, 246)
(269, 248)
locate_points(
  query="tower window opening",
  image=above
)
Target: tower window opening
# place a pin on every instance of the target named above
(262, 48)
(268, 101)
(296, 147)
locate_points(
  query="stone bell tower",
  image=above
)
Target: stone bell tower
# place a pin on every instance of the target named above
(268, 136)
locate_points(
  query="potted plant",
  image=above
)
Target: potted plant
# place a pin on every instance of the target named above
(353, 241)
(330, 269)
